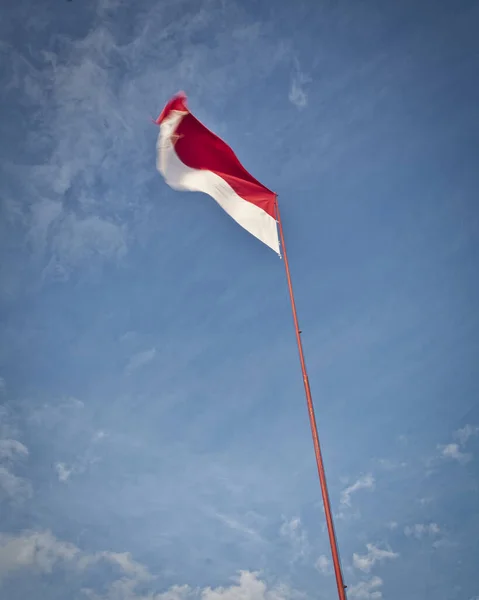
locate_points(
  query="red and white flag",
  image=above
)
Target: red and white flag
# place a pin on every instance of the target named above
(190, 157)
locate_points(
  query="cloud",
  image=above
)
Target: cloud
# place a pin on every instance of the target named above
(365, 482)
(324, 565)
(366, 590)
(297, 93)
(129, 567)
(453, 452)
(12, 487)
(294, 533)
(99, 435)
(63, 471)
(236, 525)
(248, 586)
(390, 465)
(12, 449)
(54, 415)
(366, 562)
(39, 551)
(83, 195)
(81, 240)
(465, 433)
(420, 530)
(140, 360)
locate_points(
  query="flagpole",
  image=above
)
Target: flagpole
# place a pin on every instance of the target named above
(314, 429)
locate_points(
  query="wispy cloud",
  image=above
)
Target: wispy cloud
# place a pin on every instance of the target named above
(40, 552)
(237, 525)
(391, 465)
(293, 531)
(366, 482)
(453, 452)
(297, 91)
(63, 471)
(94, 129)
(464, 434)
(12, 449)
(81, 240)
(420, 530)
(324, 565)
(140, 360)
(129, 567)
(365, 562)
(12, 487)
(367, 590)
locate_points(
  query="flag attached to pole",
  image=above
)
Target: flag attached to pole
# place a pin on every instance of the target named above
(192, 158)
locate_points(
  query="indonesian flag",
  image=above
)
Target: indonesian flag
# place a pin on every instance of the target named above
(190, 157)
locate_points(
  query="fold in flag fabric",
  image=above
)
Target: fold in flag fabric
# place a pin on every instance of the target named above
(192, 158)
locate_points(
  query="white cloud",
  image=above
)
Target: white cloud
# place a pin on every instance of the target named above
(140, 360)
(237, 525)
(392, 525)
(425, 501)
(129, 567)
(390, 465)
(465, 433)
(366, 590)
(51, 415)
(78, 205)
(420, 530)
(453, 452)
(365, 562)
(99, 435)
(248, 587)
(296, 535)
(297, 93)
(12, 487)
(63, 471)
(39, 551)
(81, 240)
(366, 482)
(12, 449)
(324, 565)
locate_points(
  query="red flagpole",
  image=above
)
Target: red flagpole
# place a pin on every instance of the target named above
(314, 429)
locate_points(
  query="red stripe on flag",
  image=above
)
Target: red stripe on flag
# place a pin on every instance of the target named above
(199, 148)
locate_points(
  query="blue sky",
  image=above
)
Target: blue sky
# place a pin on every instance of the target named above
(154, 441)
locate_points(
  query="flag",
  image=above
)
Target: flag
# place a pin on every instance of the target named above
(190, 157)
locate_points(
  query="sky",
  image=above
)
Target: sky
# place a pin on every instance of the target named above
(154, 437)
